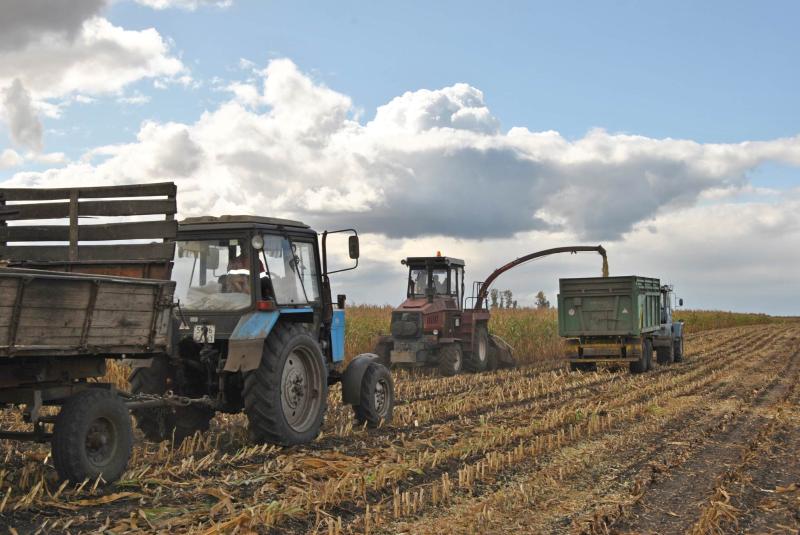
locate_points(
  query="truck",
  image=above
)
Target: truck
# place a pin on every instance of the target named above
(220, 314)
(436, 326)
(618, 320)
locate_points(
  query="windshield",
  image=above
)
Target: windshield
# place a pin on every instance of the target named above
(292, 270)
(418, 281)
(213, 274)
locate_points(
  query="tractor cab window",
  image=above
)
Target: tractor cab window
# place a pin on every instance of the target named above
(291, 269)
(417, 282)
(439, 281)
(213, 275)
(454, 282)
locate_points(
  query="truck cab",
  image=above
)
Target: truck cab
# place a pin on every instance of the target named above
(668, 340)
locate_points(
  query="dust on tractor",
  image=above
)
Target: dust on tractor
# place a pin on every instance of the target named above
(434, 327)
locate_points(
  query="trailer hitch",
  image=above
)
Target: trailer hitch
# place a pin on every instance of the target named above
(169, 399)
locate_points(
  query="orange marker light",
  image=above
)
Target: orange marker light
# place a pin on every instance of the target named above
(438, 253)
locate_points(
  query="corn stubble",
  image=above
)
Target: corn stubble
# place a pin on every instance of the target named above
(510, 450)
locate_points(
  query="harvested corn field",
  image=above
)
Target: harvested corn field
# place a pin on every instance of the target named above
(704, 446)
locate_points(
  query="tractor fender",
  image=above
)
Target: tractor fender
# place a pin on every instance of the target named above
(246, 344)
(351, 378)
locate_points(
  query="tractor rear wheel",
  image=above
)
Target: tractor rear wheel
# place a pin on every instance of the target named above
(92, 437)
(477, 359)
(165, 423)
(286, 396)
(451, 360)
(665, 355)
(376, 400)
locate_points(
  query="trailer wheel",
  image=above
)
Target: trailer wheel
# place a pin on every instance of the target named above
(384, 350)
(643, 364)
(286, 396)
(376, 401)
(165, 423)
(92, 437)
(665, 355)
(477, 359)
(678, 349)
(451, 359)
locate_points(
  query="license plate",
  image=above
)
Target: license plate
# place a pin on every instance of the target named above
(204, 334)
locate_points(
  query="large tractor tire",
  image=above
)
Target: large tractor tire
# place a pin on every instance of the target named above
(665, 355)
(678, 349)
(92, 437)
(286, 396)
(384, 350)
(477, 360)
(643, 364)
(165, 423)
(451, 360)
(376, 400)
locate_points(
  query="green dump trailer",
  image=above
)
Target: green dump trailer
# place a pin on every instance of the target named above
(615, 320)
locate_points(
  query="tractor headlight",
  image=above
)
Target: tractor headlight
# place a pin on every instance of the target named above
(436, 332)
(257, 242)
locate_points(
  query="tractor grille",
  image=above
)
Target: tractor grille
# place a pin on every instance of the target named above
(406, 324)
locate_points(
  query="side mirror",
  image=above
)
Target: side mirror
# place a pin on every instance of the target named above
(340, 300)
(212, 259)
(352, 245)
(680, 302)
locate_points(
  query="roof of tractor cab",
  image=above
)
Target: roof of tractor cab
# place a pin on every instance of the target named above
(238, 222)
(434, 261)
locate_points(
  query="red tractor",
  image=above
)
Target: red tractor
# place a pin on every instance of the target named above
(433, 326)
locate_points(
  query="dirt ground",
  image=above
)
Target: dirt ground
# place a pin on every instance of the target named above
(705, 446)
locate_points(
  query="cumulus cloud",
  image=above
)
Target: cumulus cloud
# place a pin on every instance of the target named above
(56, 53)
(10, 158)
(24, 125)
(431, 162)
(26, 21)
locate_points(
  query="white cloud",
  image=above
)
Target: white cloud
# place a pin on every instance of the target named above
(10, 158)
(24, 125)
(190, 5)
(64, 52)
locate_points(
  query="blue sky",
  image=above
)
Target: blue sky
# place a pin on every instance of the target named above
(698, 84)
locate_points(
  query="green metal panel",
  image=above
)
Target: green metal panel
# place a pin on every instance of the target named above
(608, 306)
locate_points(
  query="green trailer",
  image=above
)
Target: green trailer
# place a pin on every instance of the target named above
(612, 320)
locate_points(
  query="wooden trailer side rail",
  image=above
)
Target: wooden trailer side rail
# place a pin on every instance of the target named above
(32, 244)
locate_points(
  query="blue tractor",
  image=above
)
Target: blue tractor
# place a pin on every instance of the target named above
(256, 329)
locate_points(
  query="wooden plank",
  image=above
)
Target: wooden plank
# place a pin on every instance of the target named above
(59, 210)
(142, 251)
(158, 189)
(138, 230)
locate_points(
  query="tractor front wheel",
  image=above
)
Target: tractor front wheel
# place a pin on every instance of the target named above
(477, 359)
(92, 437)
(678, 349)
(285, 397)
(665, 355)
(376, 400)
(451, 360)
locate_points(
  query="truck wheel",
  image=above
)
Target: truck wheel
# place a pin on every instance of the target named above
(678, 349)
(384, 350)
(643, 364)
(165, 423)
(376, 401)
(285, 397)
(665, 355)
(649, 354)
(477, 360)
(92, 437)
(450, 359)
